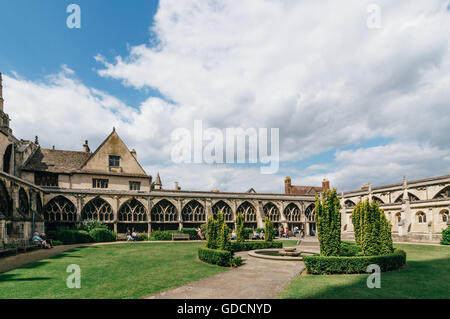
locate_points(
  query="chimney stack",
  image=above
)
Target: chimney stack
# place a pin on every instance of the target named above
(287, 185)
(1, 93)
(86, 147)
(133, 152)
(177, 188)
(325, 184)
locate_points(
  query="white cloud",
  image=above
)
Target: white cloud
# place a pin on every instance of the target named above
(312, 69)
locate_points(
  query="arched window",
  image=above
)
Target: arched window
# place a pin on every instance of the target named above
(444, 193)
(421, 217)
(310, 214)
(292, 213)
(38, 205)
(349, 204)
(225, 209)
(193, 212)
(164, 211)
(444, 216)
(97, 209)
(132, 211)
(377, 200)
(7, 159)
(272, 211)
(249, 212)
(60, 209)
(24, 204)
(5, 201)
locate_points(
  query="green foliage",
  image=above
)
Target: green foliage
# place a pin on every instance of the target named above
(213, 232)
(446, 236)
(240, 228)
(252, 245)
(215, 256)
(356, 220)
(192, 232)
(204, 230)
(142, 237)
(57, 243)
(101, 235)
(246, 232)
(319, 265)
(236, 261)
(386, 246)
(328, 218)
(269, 230)
(90, 224)
(224, 242)
(70, 237)
(350, 249)
(160, 235)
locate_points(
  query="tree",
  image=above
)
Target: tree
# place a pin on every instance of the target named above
(211, 239)
(386, 246)
(370, 237)
(224, 238)
(356, 220)
(268, 230)
(240, 228)
(328, 218)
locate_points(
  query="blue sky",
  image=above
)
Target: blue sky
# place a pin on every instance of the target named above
(354, 104)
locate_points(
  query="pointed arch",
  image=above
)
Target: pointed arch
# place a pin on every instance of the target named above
(193, 211)
(5, 201)
(272, 211)
(98, 209)
(412, 198)
(444, 216)
(60, 209)
(310, 213)
(225, 209)
(377, 200)
(248, 211)
(292, 213)
(164, 211)
(349, 204)
(24, 203)
(7, 159)
(421, 217)
(132, 211)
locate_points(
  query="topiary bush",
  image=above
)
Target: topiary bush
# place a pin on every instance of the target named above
(240, 228)
(215, 256)
(70, 237)
(101, 235)
(328, 216)
(320, 265)
(446, 236)
(269, 233)
(350, 249)
(192, 232)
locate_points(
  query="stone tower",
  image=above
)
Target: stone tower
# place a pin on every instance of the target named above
(4, 118)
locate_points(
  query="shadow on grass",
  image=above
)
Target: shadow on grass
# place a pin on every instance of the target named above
(13, 277)
(420, 280)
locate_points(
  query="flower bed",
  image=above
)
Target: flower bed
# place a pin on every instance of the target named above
(319, 265)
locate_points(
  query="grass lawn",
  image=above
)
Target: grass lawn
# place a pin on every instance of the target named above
(110, 271)
(427, 276)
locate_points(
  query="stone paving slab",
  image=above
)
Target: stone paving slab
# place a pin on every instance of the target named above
(256, 279)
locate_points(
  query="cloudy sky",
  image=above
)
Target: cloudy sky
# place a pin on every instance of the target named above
(360, 93)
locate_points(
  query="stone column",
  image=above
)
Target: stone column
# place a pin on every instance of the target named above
(149, 215)
(208, 208)
(259, 215)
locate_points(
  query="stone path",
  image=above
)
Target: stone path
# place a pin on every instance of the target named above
(256, 279)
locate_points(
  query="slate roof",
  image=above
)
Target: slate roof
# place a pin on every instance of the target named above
(305, 190)
(55, 161)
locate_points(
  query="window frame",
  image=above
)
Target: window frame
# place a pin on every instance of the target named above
(135, 183)
(113, 160)
(100, 183)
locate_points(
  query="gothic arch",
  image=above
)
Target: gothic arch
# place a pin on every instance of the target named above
(7, 159)
(60, 209)
(310, 213)
(421, 217)
(349, 204)
(225, 208)
(271, 210)
(24, 203)
(249, 212)
(444, 216)
(412, 198)
(132, 211)
(164, 211)
(5, 201)
(292, 213)
(377, 200)
(98, 209)
(194, 212)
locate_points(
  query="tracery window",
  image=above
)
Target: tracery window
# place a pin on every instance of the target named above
(193, 212)
(132, 211)
(225, 209)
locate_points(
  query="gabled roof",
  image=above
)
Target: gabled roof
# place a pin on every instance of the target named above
(56, 161)
(305, 190)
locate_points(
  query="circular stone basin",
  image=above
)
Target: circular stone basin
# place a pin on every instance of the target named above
(289, 254)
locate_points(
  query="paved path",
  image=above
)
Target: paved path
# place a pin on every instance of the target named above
(256, 279)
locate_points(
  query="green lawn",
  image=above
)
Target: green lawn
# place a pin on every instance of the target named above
(110, 271)
(427, 276)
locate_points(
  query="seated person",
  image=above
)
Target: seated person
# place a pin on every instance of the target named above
(134, 235)
(129, 235)
(233, 235)
(255, 235)
(47, 241)
(38, 240)
(261, 234)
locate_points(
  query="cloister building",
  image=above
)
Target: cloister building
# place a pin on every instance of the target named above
(46, 189)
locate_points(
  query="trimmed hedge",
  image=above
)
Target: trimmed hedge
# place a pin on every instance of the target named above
(162, 234)
(215, 256)
(319, 265)
(252, 245)
(446, 236)
(69, 237)
(192, 232)
(102, 235)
